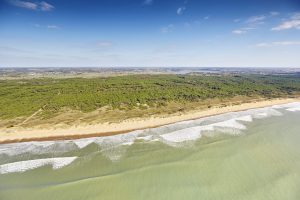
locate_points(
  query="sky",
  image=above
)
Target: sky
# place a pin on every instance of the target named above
(150, 33)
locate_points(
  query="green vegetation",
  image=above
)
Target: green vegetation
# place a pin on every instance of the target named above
(21, 98)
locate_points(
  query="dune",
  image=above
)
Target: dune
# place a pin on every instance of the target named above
(46, 133)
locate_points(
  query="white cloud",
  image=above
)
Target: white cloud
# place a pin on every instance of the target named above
(43, 6)
(239, 31)
(263, 44)
(167, 29)
(50, 26)
(53, 27)
(256, 19)
(248, 28)
(243, 30)
(295, 16)
(292, 23)
(206, 17)
(148, 2)
(287, 25)
(279, 43)
(104, 44)
(251, 23)
(285, 43)
(181, 10)
(24, 4)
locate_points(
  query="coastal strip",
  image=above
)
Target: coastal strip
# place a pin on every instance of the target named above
(108, 129)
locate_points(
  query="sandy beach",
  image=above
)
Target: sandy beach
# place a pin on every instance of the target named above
(106, 129)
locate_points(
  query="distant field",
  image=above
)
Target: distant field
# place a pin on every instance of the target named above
(22, 98)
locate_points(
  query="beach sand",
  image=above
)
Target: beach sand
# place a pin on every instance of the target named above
(19, 134)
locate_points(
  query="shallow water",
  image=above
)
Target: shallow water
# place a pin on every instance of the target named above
(252, 154)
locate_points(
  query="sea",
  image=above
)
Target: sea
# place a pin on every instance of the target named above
(247, 155)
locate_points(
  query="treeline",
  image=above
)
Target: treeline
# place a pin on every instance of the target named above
(24, 97)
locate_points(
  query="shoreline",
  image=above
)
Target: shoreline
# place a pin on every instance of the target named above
(108, 129)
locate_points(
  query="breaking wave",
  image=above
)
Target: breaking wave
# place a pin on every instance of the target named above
(293, 107)
(176, 135)
(23, 166)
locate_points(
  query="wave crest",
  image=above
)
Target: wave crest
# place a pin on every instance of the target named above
(23, 166)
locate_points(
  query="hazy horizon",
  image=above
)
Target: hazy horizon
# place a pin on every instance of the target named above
(144, 67)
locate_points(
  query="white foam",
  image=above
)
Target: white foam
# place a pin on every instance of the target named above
(293, 109)
(247, 118)
(23, 166)
(261, 115)
(146, 138)
(128, 143)
(42, 144)
(187, 134)
(232, 123)
(117, 140)
(194, 133)
(81, 143)
(288, 105)
(114, 147)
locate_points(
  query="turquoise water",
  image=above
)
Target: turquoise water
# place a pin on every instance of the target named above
(252, 154)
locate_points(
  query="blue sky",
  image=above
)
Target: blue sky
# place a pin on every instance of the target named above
(217, 33)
